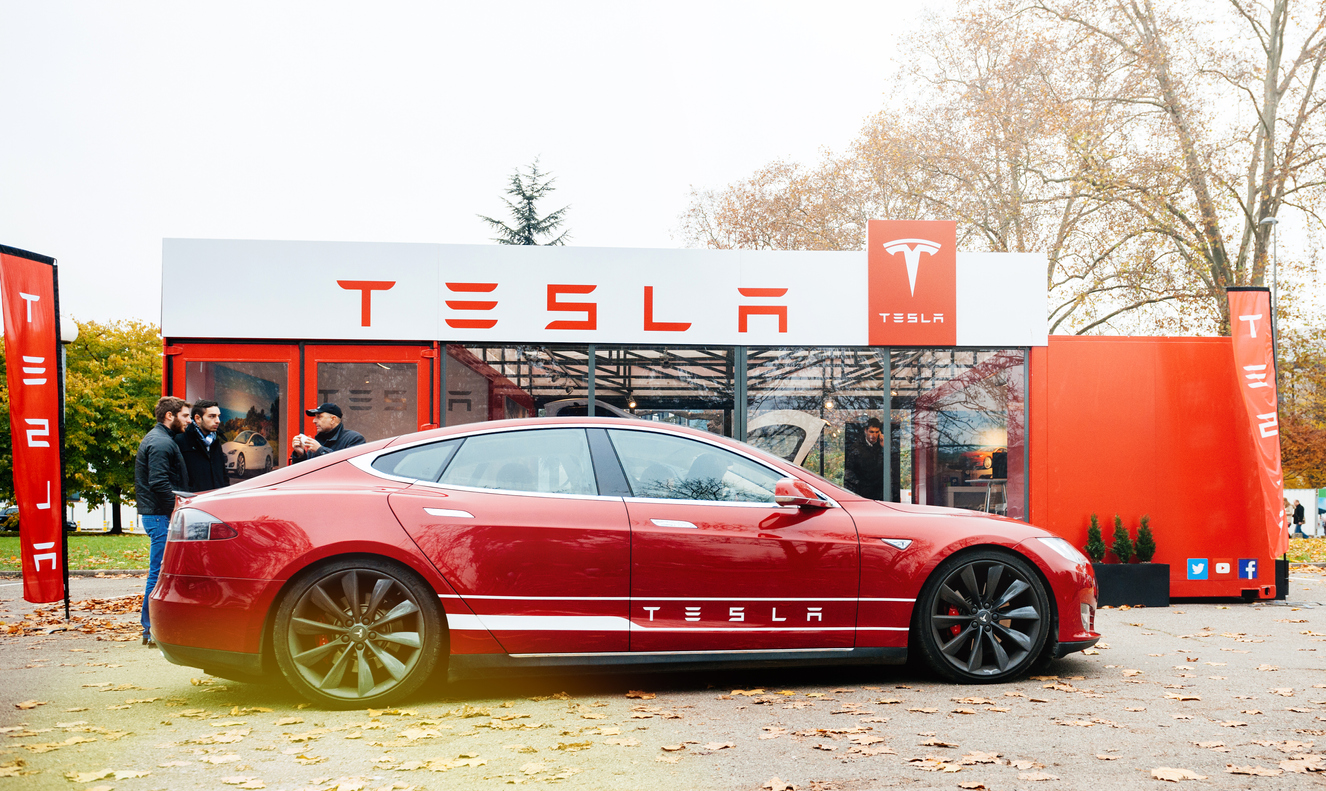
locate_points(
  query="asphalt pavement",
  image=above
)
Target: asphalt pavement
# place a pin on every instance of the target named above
(1194, 689)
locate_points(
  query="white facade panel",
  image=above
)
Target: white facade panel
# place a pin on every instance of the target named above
(495, 293)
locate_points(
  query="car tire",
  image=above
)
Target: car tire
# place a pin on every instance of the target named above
(240, 464)
(267, 464)
(958, 623)
(369, 654)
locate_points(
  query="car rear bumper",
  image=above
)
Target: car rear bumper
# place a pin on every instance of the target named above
(223, 614)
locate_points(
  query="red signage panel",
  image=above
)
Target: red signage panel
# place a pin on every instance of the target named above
(32, 357)
(913, 282)
(1254, 366)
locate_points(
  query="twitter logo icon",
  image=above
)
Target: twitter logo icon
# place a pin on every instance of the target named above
(1197, 568)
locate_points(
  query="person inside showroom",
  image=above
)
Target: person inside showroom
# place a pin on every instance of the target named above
(332, 435)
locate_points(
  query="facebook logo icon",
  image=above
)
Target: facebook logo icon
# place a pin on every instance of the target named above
(1247, 568)
(1197, 569)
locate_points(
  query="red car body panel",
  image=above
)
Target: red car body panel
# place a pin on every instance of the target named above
(555, 574)
(748, 576)
(524, 558)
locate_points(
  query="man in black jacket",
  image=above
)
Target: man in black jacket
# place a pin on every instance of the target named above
(864, 473)
(158, 472)
(332, 435)
(200, 444)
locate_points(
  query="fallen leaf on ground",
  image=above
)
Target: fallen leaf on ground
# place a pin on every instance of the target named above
(29, 704)
(672, 748)
(1108, 757)
(1252, 770)
(774, 784)
(719, 745)
(1036, 776)
(636, 694)
(1175, 775)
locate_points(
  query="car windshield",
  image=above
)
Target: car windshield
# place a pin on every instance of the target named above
(242, 437)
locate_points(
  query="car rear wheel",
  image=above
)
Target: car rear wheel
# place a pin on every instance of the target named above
(357, 633)
(267, 464)
(983, 617)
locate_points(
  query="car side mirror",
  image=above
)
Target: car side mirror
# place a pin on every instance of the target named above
(790, 491)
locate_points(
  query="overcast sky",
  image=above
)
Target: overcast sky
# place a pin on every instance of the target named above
(124, 123)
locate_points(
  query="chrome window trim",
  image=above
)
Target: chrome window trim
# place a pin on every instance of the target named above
(365, 463)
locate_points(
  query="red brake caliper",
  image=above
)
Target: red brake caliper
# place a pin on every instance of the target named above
(954, 630)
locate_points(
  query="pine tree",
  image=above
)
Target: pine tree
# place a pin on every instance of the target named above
(525, 191)
(1095, 547)
(1123, 543)
(1146, 542)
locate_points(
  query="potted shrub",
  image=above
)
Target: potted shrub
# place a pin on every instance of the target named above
(1095, 547)
(1144, 583)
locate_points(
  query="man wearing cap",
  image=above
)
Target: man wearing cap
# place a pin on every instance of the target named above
(332, 436)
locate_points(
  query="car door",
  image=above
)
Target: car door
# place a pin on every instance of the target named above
(514, 521)
(717, 565)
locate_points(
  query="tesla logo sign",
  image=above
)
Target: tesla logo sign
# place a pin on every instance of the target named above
(912, 282)
(911, 250)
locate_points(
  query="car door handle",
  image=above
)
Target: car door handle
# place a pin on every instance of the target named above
(449, 512)
(673, 523)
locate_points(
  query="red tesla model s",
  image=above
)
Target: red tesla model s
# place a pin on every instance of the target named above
(580, 541)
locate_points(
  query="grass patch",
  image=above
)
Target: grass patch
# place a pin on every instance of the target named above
(1307, 550)
(88, 552)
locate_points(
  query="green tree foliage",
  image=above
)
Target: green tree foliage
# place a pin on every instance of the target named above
(112, 382)
(1095, 547)
(528, 227)
(1146, 542)
(1123, 543)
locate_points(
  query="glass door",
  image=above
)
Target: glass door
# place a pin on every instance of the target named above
(383, 391)
(251, 384)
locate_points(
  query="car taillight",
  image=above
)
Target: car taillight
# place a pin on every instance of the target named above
(191, 524)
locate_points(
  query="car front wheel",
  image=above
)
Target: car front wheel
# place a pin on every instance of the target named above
(357, 633)
(240, 464)
(983, 617)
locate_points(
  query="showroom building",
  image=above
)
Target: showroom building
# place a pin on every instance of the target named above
(911, 372)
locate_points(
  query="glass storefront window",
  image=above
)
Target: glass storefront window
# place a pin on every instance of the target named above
(823, 409)
(962, 420)
(502, 382)
(683, 386)
(379, 399)
(251, 396)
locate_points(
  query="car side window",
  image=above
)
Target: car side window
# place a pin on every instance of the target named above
(548, 461)
(675, 468)
(259, 440)
(421, 462)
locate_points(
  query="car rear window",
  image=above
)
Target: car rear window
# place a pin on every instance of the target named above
(421, 462)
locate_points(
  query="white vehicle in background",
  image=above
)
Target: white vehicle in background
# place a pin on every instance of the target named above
(248, 451)
(786, 433)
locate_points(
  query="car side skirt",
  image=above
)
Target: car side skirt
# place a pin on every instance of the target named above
(213, 659)
(464, 666)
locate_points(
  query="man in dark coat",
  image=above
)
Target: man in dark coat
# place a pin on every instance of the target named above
(159, 472)
(864, 473)
(332, 435)
(200, 445)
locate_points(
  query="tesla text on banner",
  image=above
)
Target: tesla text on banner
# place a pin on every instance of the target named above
(1254, 366)
(27, 289)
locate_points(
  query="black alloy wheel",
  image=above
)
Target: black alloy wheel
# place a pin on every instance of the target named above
(983, 617)
(358, 633)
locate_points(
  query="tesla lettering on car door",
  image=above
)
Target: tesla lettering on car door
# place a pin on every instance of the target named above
(717, 565)
(516, 525)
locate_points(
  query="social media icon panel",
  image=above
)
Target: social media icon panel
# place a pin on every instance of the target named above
(1247, 568)
(1197, 568)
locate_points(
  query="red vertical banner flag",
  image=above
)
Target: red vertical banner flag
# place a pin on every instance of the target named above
(32, 361)
(1254, 365)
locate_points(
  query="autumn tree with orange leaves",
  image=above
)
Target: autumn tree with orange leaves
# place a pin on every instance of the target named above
(1139, 149)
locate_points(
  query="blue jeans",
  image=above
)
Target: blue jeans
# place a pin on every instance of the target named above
(156, 530)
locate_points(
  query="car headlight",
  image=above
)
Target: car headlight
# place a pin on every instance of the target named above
(1065, 549)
